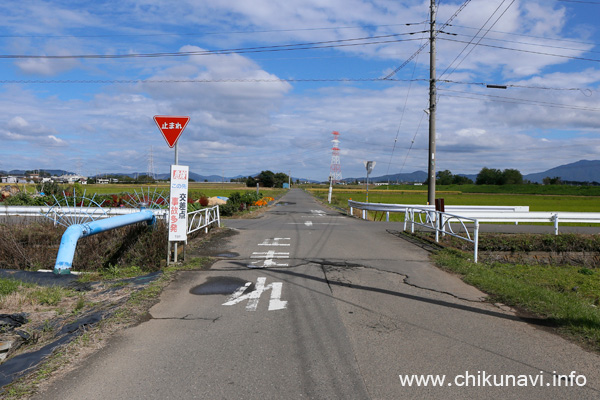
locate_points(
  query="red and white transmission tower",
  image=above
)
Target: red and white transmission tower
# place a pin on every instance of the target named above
(335, 170)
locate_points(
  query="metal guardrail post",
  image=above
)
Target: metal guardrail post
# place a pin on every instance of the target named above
(476, 241)
(435, 224)
(555, 218)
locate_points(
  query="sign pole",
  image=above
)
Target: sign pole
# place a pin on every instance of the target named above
(176, 163)
(171, 128)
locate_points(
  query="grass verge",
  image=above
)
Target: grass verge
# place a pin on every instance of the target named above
(567, 296)
(126, 313)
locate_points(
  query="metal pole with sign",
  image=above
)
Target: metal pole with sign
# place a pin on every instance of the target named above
(171, 128)
(369, 165)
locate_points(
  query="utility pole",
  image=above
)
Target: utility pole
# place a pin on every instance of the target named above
(432, 106)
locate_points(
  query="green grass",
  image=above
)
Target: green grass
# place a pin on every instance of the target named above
(50, 296)
(567, 296)
(8, 286)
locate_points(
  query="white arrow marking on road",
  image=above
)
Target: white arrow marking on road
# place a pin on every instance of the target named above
(308, 223)
(318, 213)
(275, 303)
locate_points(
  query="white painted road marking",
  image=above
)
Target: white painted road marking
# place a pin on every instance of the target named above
(266, 264)
(318, 213)
(274, 242)
(310, 223)
(275, 303)
(270, 254)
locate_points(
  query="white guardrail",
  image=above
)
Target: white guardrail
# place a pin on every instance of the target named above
(57, 214)
(196, 219)
(442, 222)
(388, 208)
(203, 219)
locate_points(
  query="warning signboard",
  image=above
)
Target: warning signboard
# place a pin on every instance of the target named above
(178, 203)
(171, 127)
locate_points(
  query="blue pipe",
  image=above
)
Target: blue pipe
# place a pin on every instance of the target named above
(68, 243)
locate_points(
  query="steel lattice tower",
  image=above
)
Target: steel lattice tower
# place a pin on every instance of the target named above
(151, 173)
(335, 170)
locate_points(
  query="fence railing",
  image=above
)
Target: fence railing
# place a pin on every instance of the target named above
(441, 223)
(554, 217)
(456, 220)
(58, 214)
(401, 208)
(203, 219)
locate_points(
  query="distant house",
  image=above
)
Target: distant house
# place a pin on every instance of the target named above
(72, 178)
(102, 181)
(9, 179)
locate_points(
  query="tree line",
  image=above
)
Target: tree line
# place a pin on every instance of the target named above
(265, 179)
(487, 176)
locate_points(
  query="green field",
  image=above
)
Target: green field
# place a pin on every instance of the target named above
(569, 200)
(195, 191)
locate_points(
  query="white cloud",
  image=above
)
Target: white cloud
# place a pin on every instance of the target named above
(249, 125)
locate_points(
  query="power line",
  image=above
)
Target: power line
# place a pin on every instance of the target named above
(226, 80)
(515, 100)
(579, 1)
(528, 51)
(540, 44)
(401, 119)
(586, 92)
(260, 49)
(526, 35)
(420, 49)
(475, 36)
(208, 33)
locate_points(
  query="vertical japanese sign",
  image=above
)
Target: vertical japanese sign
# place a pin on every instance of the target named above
(178, 203)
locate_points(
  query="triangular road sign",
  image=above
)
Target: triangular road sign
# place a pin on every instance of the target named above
(171, 127)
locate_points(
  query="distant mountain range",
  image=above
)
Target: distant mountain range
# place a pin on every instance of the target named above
(580, 171)
(21, 172)
(417, 176)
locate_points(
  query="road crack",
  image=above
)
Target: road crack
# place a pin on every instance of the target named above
(339, 265)
(187, 317)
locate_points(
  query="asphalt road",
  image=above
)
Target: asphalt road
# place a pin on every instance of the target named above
(307, 303)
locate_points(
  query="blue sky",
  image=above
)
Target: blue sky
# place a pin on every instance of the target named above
(266, 82)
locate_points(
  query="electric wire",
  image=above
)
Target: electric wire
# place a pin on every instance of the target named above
(528, 51)
(539, 44)
(420, 49)
(411, 143)
(258, 49)
(515, 100)
(209, 33)
(530, 36)
(225, 80)
(580, 1)
(402, 116)
(475, 36)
